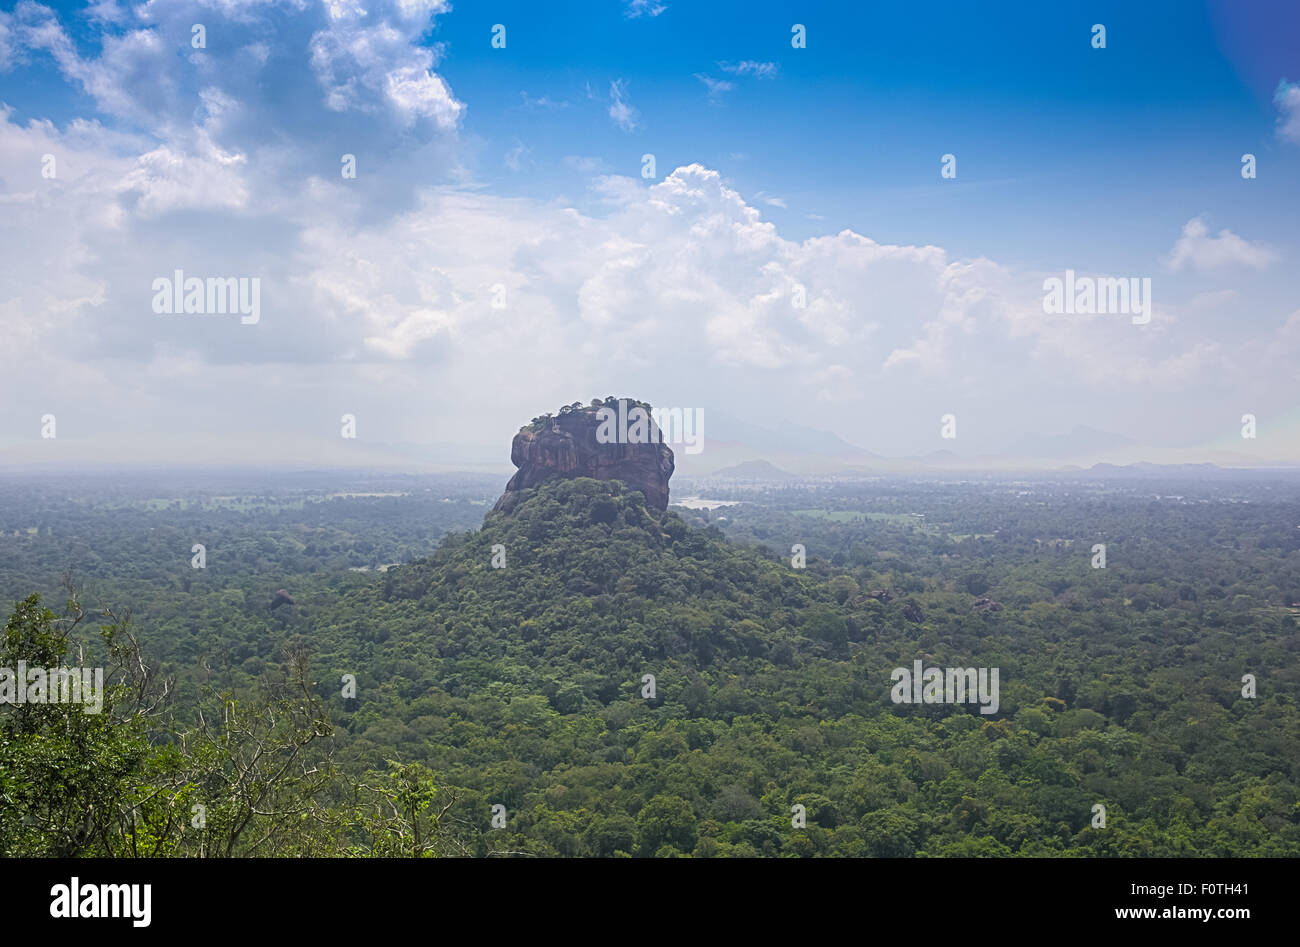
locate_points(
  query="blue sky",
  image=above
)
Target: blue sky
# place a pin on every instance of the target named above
(852, 127)
(521, 167)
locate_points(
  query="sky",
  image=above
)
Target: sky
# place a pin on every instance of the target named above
(673, 201)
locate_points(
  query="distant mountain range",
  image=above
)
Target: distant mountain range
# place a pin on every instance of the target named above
(1080, 441)
(738, 450)
(786, 450)
(754, 470)
(788, 438)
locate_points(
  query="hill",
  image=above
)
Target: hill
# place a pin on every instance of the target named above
(625, 683)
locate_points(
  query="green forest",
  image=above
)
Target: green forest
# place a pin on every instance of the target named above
(588, 677)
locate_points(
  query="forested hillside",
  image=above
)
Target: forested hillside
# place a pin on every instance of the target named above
(513, 662)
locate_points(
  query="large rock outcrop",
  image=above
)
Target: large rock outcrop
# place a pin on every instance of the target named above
(566, 445)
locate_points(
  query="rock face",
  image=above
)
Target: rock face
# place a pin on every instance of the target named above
(566, 445)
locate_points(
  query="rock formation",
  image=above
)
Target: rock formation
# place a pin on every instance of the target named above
(568, 445)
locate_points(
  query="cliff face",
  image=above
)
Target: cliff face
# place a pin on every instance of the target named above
(567, 446)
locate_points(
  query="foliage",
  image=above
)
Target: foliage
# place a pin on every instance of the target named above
(522, 686)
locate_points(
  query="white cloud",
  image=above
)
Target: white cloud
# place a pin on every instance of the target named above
(366, 58)
(518, 156)
(130, 78)
(620, 110)
(683, 271)
(542, 102)
(715, 86)
(639, 8)
(762, 70)
(354, 63)
(1197, 249)
(421, 10)
(377, 292)
(418, 93)
(585, 164)
(106, 11)
(6, 44)
(165, 180)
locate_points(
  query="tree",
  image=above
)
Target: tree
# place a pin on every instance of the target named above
(397, 816)
(665, 821)
(65, 772)
(129, 781)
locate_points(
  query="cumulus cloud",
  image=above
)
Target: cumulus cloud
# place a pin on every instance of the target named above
(356, 309)
(1197, 249)
(366, 60)
(167, 180)
(286, 89)
(379, 294)
(358, 62)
